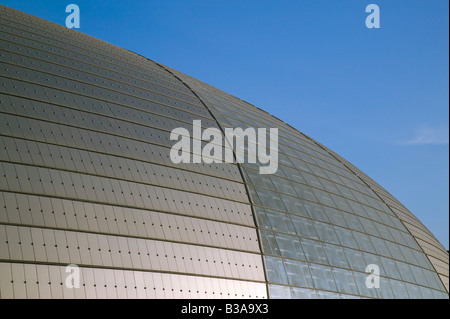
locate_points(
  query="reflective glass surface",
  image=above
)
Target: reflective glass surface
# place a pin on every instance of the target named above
(322, 222)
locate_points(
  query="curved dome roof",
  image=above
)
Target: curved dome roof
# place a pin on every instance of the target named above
(87, 180)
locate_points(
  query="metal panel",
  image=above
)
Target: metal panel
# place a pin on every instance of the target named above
(57, 283)
(6, 281)
(18, 275)
(26, 240)
(44, 281)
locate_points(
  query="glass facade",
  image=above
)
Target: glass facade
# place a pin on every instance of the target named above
(86, 178)
(322, 222)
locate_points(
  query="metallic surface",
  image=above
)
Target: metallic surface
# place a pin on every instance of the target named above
(86, 179)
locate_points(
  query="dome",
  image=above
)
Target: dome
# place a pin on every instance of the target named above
(92, 205)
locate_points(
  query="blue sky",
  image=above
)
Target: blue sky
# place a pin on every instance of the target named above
(378, 97)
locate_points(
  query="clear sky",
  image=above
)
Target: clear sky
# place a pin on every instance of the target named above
(378, 97)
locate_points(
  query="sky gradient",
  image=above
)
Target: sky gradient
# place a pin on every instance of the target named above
(377, 97)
